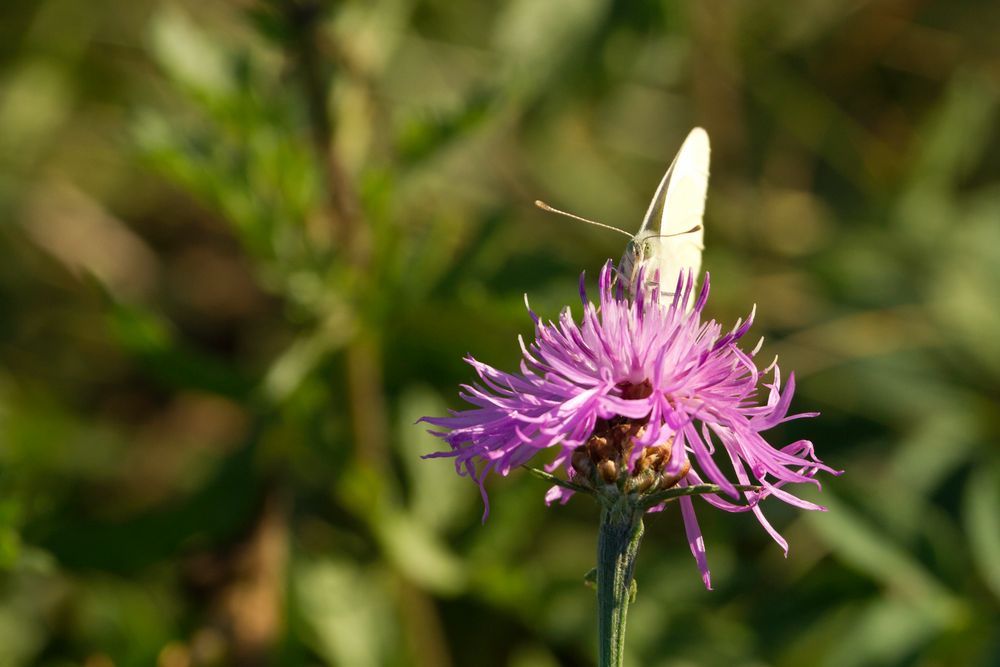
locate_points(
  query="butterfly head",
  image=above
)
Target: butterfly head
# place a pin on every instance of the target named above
(638, 252)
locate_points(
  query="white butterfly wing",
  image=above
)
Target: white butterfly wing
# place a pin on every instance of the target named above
(680, 201)
(682, 230)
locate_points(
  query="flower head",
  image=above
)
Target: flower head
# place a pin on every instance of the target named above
(640, 395)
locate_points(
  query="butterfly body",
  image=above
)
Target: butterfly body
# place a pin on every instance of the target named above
(662, 254)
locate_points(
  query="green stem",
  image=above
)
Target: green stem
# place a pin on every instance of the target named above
(617, 547)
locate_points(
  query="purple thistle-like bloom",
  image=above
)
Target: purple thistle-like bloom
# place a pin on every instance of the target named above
(675, 384)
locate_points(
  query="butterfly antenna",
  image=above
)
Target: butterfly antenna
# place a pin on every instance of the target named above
(694, 229)
(545, 207)
(690, 231)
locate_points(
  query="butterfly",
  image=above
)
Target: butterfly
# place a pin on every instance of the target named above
(679, 200)
(661, 255)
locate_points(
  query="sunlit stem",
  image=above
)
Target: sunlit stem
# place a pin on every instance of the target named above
(617, 547)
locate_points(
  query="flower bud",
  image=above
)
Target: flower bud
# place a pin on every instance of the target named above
(608, 471)
(582, 464)
(667, 481)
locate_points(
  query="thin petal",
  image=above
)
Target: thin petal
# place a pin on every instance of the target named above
(695, 540)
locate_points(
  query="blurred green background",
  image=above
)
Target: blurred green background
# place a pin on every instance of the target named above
(245, 245)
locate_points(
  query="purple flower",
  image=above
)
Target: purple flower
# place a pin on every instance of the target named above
(640, 395)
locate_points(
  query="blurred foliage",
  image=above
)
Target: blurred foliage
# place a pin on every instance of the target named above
(248, 243)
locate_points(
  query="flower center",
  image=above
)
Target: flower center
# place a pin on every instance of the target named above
(604, 457)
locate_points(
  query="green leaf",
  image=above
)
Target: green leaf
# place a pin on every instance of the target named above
(439, 497)
(188, 54)
(693, 490)
(347, 610)
(291, 368)
(872, 551)
(982, 523)
(883, 634)
(535, 39)
(418, 553)
(424, 135)
(956, 135)
(151, 340)
(552, 479)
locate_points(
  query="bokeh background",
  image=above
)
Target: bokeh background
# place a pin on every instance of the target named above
(246, 244)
